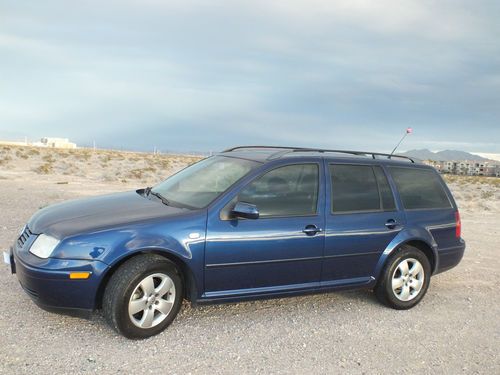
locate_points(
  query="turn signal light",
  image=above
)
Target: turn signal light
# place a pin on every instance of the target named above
(79, 275)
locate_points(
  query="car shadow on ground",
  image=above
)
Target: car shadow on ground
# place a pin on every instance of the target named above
(325, 300)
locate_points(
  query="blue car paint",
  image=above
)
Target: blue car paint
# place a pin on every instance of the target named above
(356, 241)
(228, 260)
(242, 255)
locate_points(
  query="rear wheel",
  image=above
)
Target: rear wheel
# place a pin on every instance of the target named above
(405, 279)
(143, 296)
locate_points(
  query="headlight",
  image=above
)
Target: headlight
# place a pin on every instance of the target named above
(44, 246)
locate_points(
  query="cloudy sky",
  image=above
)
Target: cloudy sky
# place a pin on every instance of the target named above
(202, 75)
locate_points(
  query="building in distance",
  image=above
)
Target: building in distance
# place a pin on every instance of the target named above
(50, 142)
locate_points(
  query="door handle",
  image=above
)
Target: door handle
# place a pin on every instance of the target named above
(391, 224)
(311, 230)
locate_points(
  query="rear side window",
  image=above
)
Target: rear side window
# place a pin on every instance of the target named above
(359, 188)
(286, 191)
(419, 188)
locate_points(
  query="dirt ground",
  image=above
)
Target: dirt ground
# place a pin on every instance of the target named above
(456, 328)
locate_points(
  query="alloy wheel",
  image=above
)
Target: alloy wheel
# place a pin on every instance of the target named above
(152, 300)
(408, 279)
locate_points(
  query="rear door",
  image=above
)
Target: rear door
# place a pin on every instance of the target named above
(362, 218)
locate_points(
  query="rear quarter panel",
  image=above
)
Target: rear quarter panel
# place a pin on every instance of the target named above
(435, 227)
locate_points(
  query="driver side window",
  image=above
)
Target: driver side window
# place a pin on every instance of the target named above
(291, 190)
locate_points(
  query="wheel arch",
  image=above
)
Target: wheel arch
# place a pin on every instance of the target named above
(418, 243)
(187, 275)
(426, 249)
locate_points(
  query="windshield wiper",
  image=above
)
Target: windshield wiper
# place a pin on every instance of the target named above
(160, 197)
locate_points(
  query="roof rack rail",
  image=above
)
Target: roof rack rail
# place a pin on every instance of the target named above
(285, 150)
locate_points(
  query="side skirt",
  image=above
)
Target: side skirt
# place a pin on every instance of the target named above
(285, 290)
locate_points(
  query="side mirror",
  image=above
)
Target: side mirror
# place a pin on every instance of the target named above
(245, 210)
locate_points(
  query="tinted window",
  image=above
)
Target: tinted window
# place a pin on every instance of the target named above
(419, 188)
(386, 196)
(285, 191)
(354, 188)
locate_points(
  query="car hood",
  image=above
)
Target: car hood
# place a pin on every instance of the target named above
(96, 213)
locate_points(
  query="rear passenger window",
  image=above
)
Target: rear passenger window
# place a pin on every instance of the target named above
(419, 188)
(286, 191)
(358, 188)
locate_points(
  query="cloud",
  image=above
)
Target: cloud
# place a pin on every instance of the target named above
(204, 75)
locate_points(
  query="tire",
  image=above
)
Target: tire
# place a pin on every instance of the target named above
(143, 296)
(402, 287)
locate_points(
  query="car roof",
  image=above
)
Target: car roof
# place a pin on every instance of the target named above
(265, 154)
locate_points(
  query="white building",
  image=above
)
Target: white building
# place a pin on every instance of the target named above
(55, 143)
(44, 142)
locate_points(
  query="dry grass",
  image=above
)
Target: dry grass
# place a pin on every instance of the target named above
(99, 165)
(21, 154)
(139, 173)
(46, 168)
(476, 180)
(5, 159)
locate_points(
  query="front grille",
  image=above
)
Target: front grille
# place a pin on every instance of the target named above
(24, 237)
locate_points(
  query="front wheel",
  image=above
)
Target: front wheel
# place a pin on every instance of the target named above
(143, 296)
(405, 279)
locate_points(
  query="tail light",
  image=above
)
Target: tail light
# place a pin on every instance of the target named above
(458, 223)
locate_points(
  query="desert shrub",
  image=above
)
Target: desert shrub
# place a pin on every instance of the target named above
(63, 154)
(86, 155)
(33, 152)
(135, 173)
(486, 194)
(474, 180)
(44, 168)
(82, 154)
(49, 158)
(21, 154)
(163, 164)
(138, 173)
(4, 159)
(105, 158)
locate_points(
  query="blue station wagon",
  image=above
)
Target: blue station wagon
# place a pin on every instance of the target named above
(250, 222)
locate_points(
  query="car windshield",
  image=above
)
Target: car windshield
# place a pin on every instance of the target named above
(199, 184)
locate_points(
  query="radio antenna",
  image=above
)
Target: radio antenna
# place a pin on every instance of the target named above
(408, 131)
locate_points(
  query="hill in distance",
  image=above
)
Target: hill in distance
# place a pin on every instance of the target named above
(446, 155)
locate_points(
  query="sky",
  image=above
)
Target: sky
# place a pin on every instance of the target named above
(185, 75)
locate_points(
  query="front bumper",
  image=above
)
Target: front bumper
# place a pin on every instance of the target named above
(48, 284)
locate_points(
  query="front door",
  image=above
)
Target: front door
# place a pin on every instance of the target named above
(283, 248)
(361, 220)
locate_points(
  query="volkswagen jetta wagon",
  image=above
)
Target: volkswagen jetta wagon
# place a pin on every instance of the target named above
(249, 222)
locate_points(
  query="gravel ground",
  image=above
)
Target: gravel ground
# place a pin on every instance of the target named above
(456, 328)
